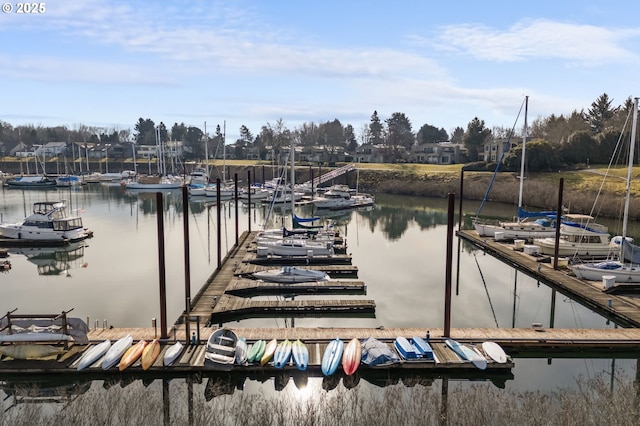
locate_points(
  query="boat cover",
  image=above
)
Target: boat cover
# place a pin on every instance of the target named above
(376, 353)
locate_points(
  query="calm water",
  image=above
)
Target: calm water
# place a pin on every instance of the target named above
(398, 246)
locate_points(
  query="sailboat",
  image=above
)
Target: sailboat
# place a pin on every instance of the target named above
(522, 228)
(623, 272)
(295, 244)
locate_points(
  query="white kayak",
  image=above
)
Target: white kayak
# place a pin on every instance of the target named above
(172, 353)
(116, 351)
(93, 354)
(495, 352)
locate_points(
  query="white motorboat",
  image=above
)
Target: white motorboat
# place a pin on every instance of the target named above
(579, 236)
(337, 197)
(291, 274)
(49, 222)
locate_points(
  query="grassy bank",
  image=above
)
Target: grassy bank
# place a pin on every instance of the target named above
(581, 188)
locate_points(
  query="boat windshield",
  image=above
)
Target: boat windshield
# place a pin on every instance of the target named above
(67, 224)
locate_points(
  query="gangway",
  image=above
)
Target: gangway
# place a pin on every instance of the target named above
(331, 175)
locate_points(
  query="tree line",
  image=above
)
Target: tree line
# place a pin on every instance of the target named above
(554, 142)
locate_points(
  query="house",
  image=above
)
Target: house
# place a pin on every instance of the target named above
(436, 153)
(51, 149)
(491, 151)
(369, 153)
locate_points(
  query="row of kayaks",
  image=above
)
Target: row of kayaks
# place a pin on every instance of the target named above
(225, 349)
(125, 353)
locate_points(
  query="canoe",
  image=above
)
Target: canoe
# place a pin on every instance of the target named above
(269, 350)
(116, 351)
(220, 352)
(352, 356)
(132, 354)
(282, 354)
(171, 354)
(150, 354)
(93, 354)
(332, 356)
(423, 348)
(300, 355)
(495, 352)
(29, 351)
(467, 354)
(256, 351)
(241, 351)
(405, 348)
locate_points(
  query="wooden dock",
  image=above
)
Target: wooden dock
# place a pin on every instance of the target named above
(624, 311)
(219, 300)
(248, 288)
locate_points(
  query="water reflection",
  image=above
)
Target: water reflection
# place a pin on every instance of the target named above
(54, 260)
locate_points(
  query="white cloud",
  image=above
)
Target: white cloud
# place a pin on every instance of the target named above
(540, 39)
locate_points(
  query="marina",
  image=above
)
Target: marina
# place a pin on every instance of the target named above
(230, 297)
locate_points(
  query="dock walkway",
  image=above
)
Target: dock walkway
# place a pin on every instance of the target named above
(220, 299)
(624, 311)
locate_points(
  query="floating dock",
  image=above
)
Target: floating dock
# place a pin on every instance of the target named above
(624, 311)
(226, 295)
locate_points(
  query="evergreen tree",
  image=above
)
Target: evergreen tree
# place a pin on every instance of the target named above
(600, 113)
(375, 130)
(475, 137)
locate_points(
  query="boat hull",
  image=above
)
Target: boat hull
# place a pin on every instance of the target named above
(332, 357)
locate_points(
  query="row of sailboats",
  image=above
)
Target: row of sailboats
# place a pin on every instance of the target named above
(621, 270)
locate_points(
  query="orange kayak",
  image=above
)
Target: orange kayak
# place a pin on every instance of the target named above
(132, 354)
(150, 354)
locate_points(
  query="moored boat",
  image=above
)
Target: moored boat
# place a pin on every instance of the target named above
(352, 356)
(291, 274)
(332, 356)
(132, 354)
(93, 354)
(220, 353)
(150, 354)
(116, 351)
(255, 351)
(48, 222)
(282, 354)
(405, 348)
(171, 354)
(300, 355)
(467, 354)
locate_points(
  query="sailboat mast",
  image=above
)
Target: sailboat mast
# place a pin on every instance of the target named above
(630, 171)
(293, 174)
(224, 151)
(206, 151)
(524, 145)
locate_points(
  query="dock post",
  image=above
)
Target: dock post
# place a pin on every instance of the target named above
(185, 231)
(235, 188)
(161, 263)
(449, 261)
(249, 196)
(218, 226)
(558, 220)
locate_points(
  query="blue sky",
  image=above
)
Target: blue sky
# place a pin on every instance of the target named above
(107, 63)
